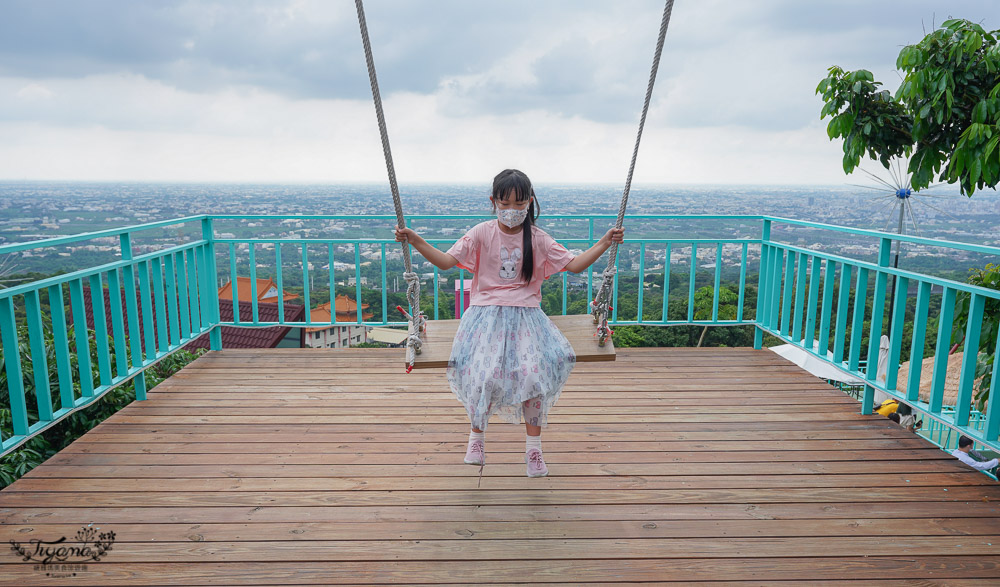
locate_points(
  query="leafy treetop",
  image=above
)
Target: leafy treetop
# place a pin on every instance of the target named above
(945, 115)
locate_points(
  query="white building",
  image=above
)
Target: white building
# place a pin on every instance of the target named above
(336, 337)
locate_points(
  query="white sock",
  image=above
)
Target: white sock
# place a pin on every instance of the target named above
(532, 442)
(473, 435)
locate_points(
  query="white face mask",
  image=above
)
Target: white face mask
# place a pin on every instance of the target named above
(512, 217)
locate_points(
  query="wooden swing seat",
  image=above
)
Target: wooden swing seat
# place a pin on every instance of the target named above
(436, 341)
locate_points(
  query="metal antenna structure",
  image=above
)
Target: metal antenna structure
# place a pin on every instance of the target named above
(898, 194)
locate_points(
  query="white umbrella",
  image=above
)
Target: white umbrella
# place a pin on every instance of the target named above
(814, 364)
(883, 366)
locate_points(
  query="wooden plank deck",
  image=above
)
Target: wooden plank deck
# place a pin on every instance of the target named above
(314, 466)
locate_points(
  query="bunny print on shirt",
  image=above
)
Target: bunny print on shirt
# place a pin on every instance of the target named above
(508, 262)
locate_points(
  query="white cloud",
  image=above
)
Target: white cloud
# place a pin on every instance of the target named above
(266, 91)
(33, 92)
(137, 129)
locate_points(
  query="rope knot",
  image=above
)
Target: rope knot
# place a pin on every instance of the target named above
(417, 320)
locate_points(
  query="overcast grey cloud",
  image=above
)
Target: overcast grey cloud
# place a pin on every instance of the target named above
(301, 49)
(277, 90)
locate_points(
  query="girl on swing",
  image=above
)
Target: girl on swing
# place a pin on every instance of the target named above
(508, 358)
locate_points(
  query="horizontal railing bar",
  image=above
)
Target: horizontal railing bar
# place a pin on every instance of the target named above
(300, 324)
(62, 240)
(440, 241)
(890, 235)
(681, 323)
(82, 273)
(474, 216)
(11, 248)
(968, 287)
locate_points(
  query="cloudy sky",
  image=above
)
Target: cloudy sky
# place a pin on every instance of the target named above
(277, 91)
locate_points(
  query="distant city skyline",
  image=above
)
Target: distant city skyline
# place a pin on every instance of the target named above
(31, 211)
(274, 92)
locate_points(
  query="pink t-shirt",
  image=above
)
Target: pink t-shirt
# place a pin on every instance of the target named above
(495, 258)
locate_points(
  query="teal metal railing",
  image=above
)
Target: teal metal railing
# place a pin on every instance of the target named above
(790, 309)
(127, 333)
(946, 436)
(160, 301)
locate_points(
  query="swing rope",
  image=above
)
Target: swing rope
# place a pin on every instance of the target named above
(417, 321)
(601, 304)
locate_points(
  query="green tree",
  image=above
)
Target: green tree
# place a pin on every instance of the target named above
(703, 304)
(945, 115)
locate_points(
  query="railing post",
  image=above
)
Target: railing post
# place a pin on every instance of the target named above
(717, 284)
(840, 328)
(666, 285)
(809, 335)
(132, 313)
(824, 323)
(992, 424)
(743, 283)
(970, 354)
(357, 285)
(82, 340)
(590, 270)
(215, 334)
(763, 281)
(858, 319)
(305, 286)
(278, 282)
(777, 258)
(12, 362)
(786, 295)
(100, 329)
(875, 330)
(135, 344)
(691, 282)
(798, 308)
(896, 320)
(385, 290)
(642, 281)
(60, 338)
(39, 361)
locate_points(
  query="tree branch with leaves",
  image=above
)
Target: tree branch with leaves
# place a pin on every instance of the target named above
(945, 115)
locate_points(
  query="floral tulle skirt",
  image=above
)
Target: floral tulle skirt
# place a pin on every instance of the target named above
(505, 355)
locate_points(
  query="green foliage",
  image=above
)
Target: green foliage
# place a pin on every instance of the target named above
(370, 345)
(950, 85)
(704, 301)
(17, 463)
(946, 112)
(988, 277)
(869, 120)
(693, 335)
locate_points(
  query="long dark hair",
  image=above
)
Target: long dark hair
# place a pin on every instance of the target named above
(512, 180)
